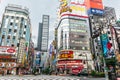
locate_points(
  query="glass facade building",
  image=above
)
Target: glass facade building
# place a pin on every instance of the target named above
(43, 34)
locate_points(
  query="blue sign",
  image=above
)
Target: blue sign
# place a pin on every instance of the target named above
(95, 11)
(104, 41)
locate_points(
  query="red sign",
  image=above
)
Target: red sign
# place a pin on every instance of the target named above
(7, 50)
(97, 4)
(66, 54)
(10, 50)
(7, 56)
(70, 61)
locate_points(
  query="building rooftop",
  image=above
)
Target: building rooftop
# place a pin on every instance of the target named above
(14, 7)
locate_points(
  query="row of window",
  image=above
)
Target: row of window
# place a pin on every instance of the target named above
(77, 21)
(79, 48)
(77, 36)
(79, 42)
(16, 24)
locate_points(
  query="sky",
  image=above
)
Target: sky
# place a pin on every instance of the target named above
(37, 8)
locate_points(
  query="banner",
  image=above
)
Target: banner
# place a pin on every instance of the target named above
(104, 42)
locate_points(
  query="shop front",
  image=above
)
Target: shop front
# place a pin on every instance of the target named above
(70, 66)
(7, 68)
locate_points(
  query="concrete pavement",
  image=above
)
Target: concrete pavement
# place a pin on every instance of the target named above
(46, 77)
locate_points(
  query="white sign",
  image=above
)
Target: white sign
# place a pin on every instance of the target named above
(7, 50)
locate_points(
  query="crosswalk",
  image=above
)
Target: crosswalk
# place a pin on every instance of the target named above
(40, 77)
(46, 77)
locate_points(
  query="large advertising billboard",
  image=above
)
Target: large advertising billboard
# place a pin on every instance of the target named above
(74, 8)
(66, 54)
(94, 7)
(97, 4)
(108, 50)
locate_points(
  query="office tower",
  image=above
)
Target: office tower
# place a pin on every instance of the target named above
(43, 34)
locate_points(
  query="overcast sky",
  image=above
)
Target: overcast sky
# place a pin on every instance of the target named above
(37, 8)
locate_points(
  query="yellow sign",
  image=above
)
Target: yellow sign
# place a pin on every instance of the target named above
(77, 8)
(63, 3)
(65, 9)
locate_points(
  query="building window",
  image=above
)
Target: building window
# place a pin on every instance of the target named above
(3, 36)
(10, 30)
(13, 37)
(12, 17)
(8, 37)
(109, 38)
(25, 26)
(96, 47)
(12, 45)
(22, 19)
(15, 30)
(17, 18)
(108, 32)
(24, 33)
(11, 23)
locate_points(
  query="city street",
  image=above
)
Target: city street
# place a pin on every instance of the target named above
(46, 77)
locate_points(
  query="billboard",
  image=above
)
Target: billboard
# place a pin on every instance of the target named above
(94, 7)
(95, 11)
(104, 41)
(97, 4)
(78, 9)
(65, 54)
(74, 8)
(7, 50)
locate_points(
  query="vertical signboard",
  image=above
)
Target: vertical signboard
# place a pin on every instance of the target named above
(104, 41)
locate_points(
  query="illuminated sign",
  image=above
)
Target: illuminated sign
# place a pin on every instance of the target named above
(7, 50)
(95, 11)
(62, 56)
(97, 4)
(78, 8)
(69, 61)
(63, 3)
(3, 56)
(66, 54)
(64, 6)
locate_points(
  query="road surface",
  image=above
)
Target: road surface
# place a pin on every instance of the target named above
(46, 77)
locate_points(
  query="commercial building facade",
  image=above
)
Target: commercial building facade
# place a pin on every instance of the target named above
(73, 37)
(16, 26)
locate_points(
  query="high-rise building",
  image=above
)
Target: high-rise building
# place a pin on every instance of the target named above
(109, 12)
(73, 37)
(43, 34)
(101, 23)
(16, 32)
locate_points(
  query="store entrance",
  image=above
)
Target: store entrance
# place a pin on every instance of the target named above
(8, 72)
